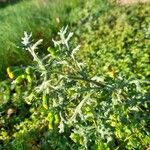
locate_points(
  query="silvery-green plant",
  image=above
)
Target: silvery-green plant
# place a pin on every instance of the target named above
(90, 106)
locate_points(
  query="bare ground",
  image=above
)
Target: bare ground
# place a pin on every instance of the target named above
(127, 2)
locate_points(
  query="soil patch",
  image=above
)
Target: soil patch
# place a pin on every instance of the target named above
(128, 2)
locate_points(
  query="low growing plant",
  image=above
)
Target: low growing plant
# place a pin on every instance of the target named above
(69, 105)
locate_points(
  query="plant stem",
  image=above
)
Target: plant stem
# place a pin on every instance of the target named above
(101, 84)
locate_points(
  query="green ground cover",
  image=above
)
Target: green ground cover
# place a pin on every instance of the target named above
(95, 97)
